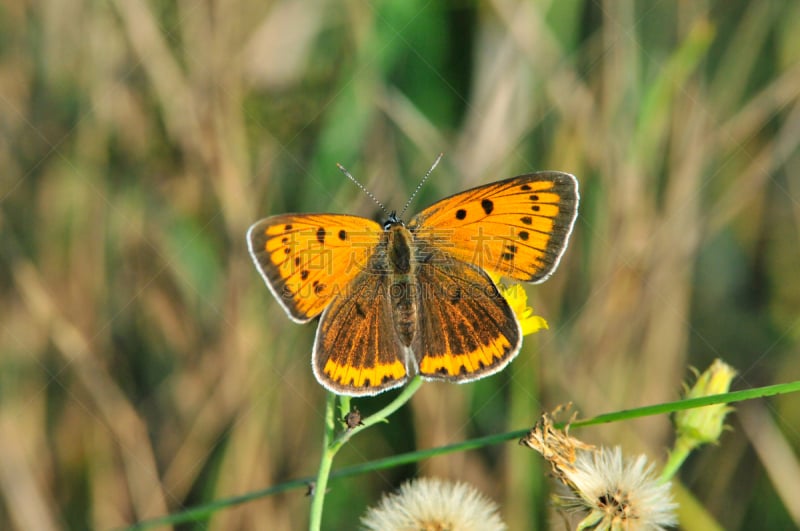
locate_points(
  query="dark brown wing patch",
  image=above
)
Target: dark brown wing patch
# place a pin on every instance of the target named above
(466, 329)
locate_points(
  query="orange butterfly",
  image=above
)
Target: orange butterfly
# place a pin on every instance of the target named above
(401, 299)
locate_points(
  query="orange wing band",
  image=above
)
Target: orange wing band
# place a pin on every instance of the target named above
(352, 376)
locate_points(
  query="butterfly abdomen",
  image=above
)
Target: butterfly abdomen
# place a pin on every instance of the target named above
(402, 288)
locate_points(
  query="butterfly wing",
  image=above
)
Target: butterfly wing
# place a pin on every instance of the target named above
(356, 351)
(465, 329)
(307, 259)
(517, 228)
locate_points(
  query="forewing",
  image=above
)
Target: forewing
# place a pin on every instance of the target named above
(517, 228)
(356, 351)
(307, 259)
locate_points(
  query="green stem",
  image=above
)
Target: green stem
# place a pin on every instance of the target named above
(381, 415)
(197, 513)
(318, 496)
(331, 446)
(676, 458)
(344, 406)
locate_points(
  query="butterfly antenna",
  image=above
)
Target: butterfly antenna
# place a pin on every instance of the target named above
(363, 188)
(424, 178)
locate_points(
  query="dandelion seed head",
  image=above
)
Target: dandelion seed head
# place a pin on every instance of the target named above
(619, 493)
(431, 504)
(610, 492)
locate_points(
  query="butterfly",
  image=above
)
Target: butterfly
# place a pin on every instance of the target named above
(400, 299)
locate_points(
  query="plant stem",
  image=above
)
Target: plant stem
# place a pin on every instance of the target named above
(331, 446)
(383, 414)
(676, 458)
(344, 406)
(318, 491)
(199, 512)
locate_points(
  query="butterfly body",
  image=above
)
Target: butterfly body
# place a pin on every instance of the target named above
(400, 269)
(395, 300)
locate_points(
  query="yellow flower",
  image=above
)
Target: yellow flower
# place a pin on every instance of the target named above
(516, 297)
(704, 424)
(700, 425)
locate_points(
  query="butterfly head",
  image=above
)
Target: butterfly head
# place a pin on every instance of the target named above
(392, 221)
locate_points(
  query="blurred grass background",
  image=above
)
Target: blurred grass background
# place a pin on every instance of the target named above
(144, 366)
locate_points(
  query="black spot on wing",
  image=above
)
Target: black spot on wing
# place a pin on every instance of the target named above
(524, 235)
(461, 213)
(318, 287)
(343, 235)
(487, 205)
(527, 220)
(321, 235)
